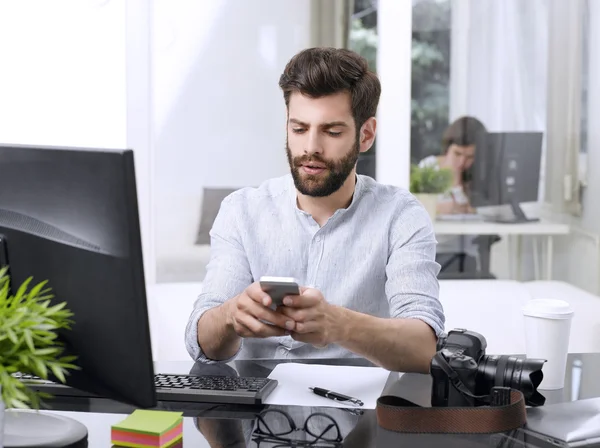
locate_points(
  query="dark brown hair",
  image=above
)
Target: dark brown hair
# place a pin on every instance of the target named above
(317, 72)
(464, 131)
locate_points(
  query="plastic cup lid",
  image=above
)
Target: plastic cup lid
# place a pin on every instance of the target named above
(548, 308)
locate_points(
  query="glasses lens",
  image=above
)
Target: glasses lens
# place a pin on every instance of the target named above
(275, 423)
(322, 427)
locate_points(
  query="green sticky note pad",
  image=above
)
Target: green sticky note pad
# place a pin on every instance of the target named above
(149, 422)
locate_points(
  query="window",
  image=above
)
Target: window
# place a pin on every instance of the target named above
(363, 40)
(430, 84)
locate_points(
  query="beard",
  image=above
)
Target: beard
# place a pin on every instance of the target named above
(327, 182)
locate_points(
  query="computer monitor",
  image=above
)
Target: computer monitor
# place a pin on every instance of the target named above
(507, 172)
(70, 216)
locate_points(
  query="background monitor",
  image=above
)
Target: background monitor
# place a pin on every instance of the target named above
(507, 172)
(70, 216)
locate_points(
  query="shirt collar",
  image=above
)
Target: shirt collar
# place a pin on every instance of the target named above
(358, 191)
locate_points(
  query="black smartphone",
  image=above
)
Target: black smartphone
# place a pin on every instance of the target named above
(279, 287)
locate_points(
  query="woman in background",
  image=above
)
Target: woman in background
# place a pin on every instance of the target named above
(460, 141)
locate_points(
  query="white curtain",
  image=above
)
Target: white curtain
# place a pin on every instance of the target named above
(499, 57)
(564, 92)
(330, 22)
(591, 210)
(516, 65)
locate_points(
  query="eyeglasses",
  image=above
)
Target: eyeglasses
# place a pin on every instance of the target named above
(276, 429)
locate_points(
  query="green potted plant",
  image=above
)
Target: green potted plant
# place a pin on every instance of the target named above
(427, 183)
(29, 342)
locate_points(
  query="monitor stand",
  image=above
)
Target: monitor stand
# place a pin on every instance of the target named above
(518, 215)
(51, 430)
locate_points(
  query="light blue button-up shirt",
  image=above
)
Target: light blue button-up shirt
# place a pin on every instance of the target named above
(376, 257)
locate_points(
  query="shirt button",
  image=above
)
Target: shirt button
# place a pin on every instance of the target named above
(318, 239)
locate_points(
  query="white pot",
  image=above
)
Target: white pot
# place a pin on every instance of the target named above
(429, 201)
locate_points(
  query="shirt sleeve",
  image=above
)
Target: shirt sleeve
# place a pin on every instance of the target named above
(227, 274)
(412, 286)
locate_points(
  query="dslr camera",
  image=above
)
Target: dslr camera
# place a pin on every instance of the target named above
(464, 376)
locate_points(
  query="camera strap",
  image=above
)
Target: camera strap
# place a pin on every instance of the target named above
(455, 379)
(400, 415)
(506, 412)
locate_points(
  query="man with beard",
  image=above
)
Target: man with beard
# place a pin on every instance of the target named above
(364, 252)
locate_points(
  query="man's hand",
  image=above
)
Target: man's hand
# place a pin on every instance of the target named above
(317, 322)
(248, 312)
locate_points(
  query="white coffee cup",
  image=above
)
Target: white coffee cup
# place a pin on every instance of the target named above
(547, 332)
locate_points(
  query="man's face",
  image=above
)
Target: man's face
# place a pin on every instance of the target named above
(322, 143)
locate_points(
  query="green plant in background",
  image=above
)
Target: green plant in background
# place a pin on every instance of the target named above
(29, 340)
(429, 179)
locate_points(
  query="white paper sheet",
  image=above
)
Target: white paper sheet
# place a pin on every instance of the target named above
(364, 383)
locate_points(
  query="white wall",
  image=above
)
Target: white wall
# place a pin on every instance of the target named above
(71, 76)
(394, 30)
(139, 120)
(62, 80)
(219, 116)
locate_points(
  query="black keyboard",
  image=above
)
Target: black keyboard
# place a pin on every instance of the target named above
(174, 387)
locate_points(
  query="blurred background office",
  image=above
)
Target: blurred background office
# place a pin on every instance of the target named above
(191, 86)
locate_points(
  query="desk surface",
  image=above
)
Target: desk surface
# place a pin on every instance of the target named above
(209, 425)
(468, 227)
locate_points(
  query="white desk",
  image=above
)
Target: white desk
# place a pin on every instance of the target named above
(542, 228)
(490, 307)
(494, 309)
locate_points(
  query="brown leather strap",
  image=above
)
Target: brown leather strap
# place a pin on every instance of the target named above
(399, 415)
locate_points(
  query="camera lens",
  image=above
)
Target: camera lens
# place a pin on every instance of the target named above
(509, 371)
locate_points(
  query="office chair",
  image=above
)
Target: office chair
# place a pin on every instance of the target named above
(462, 266)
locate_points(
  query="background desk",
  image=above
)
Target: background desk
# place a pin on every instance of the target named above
(544, 228)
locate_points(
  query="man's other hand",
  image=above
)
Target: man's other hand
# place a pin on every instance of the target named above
(250, 315)
(317, 322)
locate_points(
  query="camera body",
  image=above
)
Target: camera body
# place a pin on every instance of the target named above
(462, 350)
(464, 376)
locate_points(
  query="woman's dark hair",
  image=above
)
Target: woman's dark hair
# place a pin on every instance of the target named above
(317, 72)
(465, 131)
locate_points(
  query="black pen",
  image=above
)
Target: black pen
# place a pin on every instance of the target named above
(335, 396)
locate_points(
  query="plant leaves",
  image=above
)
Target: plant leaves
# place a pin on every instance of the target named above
(41, 368)
(35, 291)
(12, 336)
(20, 395)
(47, 351)
(429, 179)
(18, 404)
(58, 372)
(21, 291)
(29, 339)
